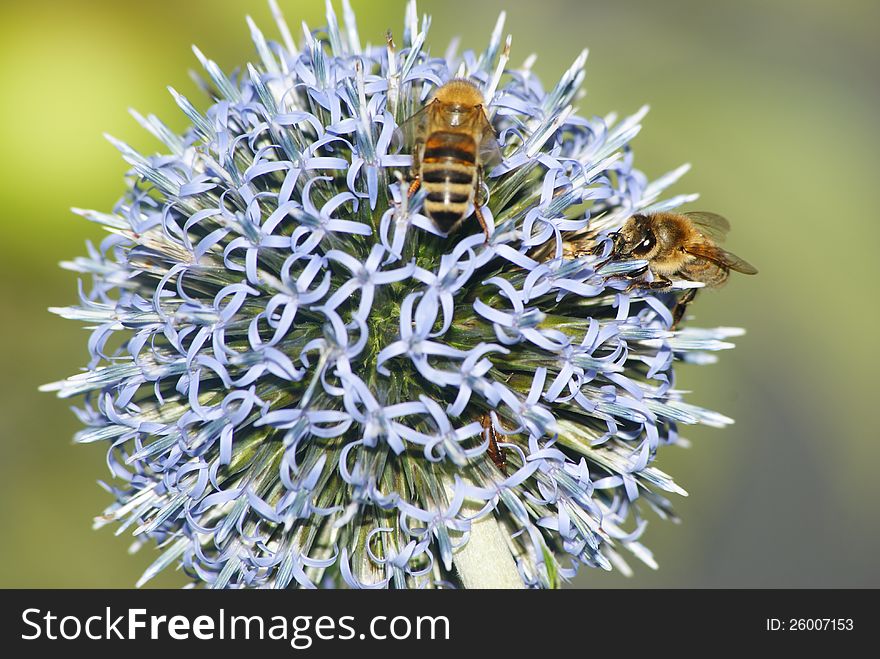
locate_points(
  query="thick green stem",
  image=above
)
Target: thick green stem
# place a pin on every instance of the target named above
(485, 560)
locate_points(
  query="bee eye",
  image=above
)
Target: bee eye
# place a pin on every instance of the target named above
(644, 247)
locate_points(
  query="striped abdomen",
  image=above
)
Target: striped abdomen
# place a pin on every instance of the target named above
(448, 174)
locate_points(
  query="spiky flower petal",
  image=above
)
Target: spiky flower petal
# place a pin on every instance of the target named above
(290, 362)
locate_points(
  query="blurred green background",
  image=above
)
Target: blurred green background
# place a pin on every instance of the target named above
(775, 105)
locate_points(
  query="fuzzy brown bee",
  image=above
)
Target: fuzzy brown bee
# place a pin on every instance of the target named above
(681, 245)
(452, 142)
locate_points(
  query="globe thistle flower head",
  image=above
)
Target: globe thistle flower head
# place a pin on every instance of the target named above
(303, 382)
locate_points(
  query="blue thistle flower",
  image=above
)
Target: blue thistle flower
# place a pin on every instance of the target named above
(303, 360)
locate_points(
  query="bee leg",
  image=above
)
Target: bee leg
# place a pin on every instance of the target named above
(414, 187)
(637, 273)
(596, 250)
(633, 279)
(601, 264)
(482, 221)
(496, 453)
(658, 284)
(678, 310)
(479, 201)
(616, 252)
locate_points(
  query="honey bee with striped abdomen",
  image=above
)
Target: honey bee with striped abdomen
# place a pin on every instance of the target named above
(452, 142)
(682, 245)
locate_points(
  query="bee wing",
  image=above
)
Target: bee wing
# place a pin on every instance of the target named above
(408, 134)
(721, 257)
(711, 225)
(490, 150)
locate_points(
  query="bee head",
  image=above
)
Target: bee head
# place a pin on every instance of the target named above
(637, 238)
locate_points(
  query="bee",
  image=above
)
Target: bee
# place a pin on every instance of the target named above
(681, 245)
(452, 142)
